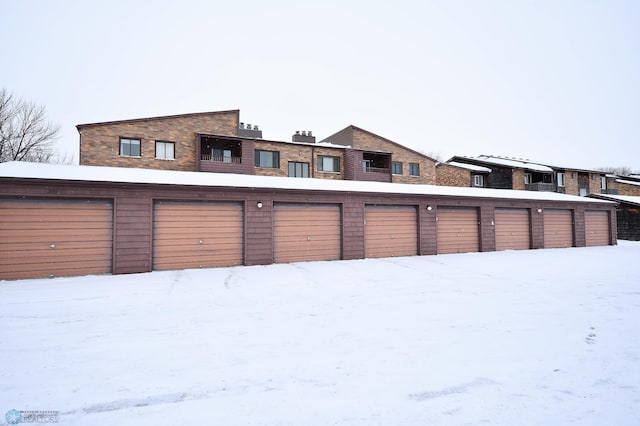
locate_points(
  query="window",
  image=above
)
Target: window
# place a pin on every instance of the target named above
(129, 147)
(527, 178)
(221, 155)
(560, 179)
(268, 159)
(396, 168)
(478, 180)
(603, 182)
(328, 164)
(165, 150)
(298, 169)
(414, 169)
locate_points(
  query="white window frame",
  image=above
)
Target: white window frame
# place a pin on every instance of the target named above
(478, 180)
(561, 179)
(603, 182)
(527, 178)
(162, 153)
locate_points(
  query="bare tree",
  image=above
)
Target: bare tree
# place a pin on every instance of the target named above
(620, 171)
(25, 133)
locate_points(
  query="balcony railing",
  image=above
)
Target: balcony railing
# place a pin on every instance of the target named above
(540, 186)
(220, 159)
(376, 170)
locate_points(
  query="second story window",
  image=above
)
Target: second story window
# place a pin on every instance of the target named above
(560, 178)
(396, 168)
(267, 159)
(478, 180)
(328, 164)
(603, 182)
(130, 147)
(414, 169)
(527, 178)
(298, 169)
(165, 150)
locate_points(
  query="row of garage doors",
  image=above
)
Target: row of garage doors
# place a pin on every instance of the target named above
(54, 238)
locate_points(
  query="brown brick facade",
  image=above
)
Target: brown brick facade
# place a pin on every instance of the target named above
(300, 153)
(364, 140)
(100, 143)
(518, 179)
(448, 175)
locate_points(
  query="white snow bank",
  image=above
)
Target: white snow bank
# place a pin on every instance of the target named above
(132, 175)
(484, 338)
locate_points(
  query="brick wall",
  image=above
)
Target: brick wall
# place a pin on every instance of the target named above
(370, 142)
(625, 188)
(571, 183)
(448, 175)
(595, 184)
(518, 179)
(100, 143)
(299, 153)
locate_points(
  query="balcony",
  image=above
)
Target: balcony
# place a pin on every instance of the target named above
(369, 169)
(541, 186)
(220, 159)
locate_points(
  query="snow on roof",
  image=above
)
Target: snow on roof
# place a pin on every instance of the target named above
(165, 177)
(514, 162)
(628, 182)
(621, 198)
(472, 167)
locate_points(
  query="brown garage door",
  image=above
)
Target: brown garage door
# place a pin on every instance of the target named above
(391, 231)
(513, 231)
(43, 238)
(458, 230)
(596, 225)
(197, 235)
(558, 228)
(303, 232)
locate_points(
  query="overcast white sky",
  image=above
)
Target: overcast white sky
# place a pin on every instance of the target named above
(555, 80)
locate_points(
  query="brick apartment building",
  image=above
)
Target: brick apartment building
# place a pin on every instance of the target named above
(219, 142)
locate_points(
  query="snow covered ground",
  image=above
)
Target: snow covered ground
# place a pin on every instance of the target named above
(542, 337)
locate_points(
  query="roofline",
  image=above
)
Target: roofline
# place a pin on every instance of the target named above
(612, 198)
(394, 143)
(354, 127)
(162, 117)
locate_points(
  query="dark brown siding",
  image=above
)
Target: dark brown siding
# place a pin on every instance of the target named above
(46, 238)
(391, 231)
(133, 232)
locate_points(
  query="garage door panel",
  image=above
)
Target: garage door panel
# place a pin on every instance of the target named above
(391, 231)
(304, 232)
(42, 238)
(558, 228)
(512, 229)
(197, 235)
(458, 230)
(597, 229)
